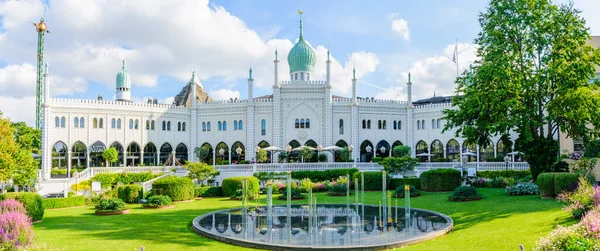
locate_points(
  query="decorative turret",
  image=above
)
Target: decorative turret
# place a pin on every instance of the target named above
(250, 87)
(301, 58)
(123, 85)
(354, 97)
(409, 90)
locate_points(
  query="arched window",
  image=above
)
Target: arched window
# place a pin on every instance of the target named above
(263, 127)
(113, 123)
(130, 123)
(220, 126)
(101, 123)
(136, 125)
(152, 125)
(81, 122)
(56, 121)
(118, 123)
(423, 124)
(307, 123)
(301, 75)
(378, 124)
(302, 123)
(433, 124)
(183, 126)
(235, 125)
(147, 124)
(95, 123)
(208, 126)
(399, 125)
(439, 124)
(297, 123)
(369, 124)
(204, 126)
(384, 125)
(168, 125)
(364, 122)
(240, 125)
(395, 125)
(164, 125)
(224, 125)
(76, 122)
(179, 126)
(418, 124)
(296, 76)
(341, 126)
(63, 122)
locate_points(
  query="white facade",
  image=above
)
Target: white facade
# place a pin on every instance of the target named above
(323, 119)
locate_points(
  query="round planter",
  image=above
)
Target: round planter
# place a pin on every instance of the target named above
(126, 211)
(158, 207)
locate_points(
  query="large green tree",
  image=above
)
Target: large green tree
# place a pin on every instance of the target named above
(532, 77)
(27, 137)
(16, 162)
(110, 155)
(200, 171)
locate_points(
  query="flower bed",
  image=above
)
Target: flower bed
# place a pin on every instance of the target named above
(111, 207)
(399, 192)
(158, 201)
(465, 193)
(296, 195)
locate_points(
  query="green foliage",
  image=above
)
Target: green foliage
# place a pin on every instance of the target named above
(507, 173)
(565, 182)
(73, 201)
(26, 137)
(109, 179)
(296, 194)
(345, 154)
(282, 157)
(580, 200)
(465, 193)
(395, 183)
(322, 157)
(401, 151)
(16, 162)
(399, 192)
(372, 180)
(111, 155)
(399, 165)
(532, 78)
(560, 166)
(232, 184)
(305, 185)
(178, 188)
(377, 159)
(261, 156)
(263, 177)
(317, 176)
(523, 188)
(111, 205)
(206, 191)
(158, 201)
(306, 154)
(584, 165)
(437, 180)
(244, 162)
(338, 190)
(31, 201)
(545, 183)
(130, 193)
(201, 172)
(592, 148)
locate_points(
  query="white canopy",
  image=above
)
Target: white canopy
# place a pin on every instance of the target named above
(272, 148)
(425, 155)
(302, 147)
(332, 148)
(514, 153)
(468, 154)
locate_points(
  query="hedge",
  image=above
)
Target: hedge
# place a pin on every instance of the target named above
(178, 188)
(394, 183)
(31, 201)
(109, 179)
(73, 201)
(130, 193)
(372, 180)
(437, 180)
(232, 184)
(318, 176)
(552, 184)
(506, 174)
(545, 182)
(206, 191)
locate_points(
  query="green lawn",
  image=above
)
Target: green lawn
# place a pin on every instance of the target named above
(498, 222)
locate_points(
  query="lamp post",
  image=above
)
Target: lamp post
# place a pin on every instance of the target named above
(288, 149)
(239, 152)
(76, 175)
(368, 148)
(319, 149)
(221, 152)
(382, 151)
(257, 149)
(350, 149)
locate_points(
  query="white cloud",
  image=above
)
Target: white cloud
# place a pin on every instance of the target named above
(401, 27)
(392, 93)
(17, 109)
(224, 94)
(169, 100)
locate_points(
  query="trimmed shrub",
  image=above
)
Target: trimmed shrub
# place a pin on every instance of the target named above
(338, 190)
(158, 201)
(111, 205)
(16, 231)
(399, 192)
(395, 183)
(506, 174)
(545, 182)
(74, 201)
(109, 179)
(231, 185)
(565, 182)
(377, 159)
(316, 176)
(465, 193)
(206, 191)
(296, 195)
(31, 201)
(523, 188)
(178, 188)
(130, 193)
(437, 180)
(372, 180)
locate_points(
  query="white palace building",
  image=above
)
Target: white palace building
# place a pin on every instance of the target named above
(300, 111)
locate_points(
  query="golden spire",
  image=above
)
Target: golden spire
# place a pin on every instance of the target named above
(300, 12)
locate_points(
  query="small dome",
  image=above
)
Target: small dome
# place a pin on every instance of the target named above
(123, 78)
(302, 57)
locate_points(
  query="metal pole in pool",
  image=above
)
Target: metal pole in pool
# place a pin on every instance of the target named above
(362, 187)
(270, 210)
(407, 207)
(356, 195)
(384, 195)
(347, 191)
(244, 211)
(289, 205)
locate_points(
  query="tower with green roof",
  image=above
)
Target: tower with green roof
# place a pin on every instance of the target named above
(123, 85)
(301, 59)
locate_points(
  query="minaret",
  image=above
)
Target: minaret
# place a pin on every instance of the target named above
(276, 70)
(328, 74)
(251, 81)
(123, 85)
(41, 30)
(409, 90)
(354, 98)
(193, 86)
(46, 150)
(354, 119)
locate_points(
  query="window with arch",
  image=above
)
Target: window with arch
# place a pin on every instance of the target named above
(131, 124)
(296, 76)
(301, 75)
(179, 126)
(183, 126)
(399, 125)
(439, 123)
(302, 123)
(219, 126)
(76, 122)
(152, 125)
(378, 124)
(208, 126)
(433, 124)
(100, 123)
(136, 124)
(95, 123)
(423, 124)
(147, 124)
(240, 125)
(307, 76)
(235, 123)
(418, 124)
(369, 124)
(395, 125)
(113, 123)
(307, 123)
(164, 125)
(204, 126)
(341, 126)
(56, 121)
(118, 123)
(168, 125)
(224, 125)
(81, 122)
(364, 124)
(63, 122)
(384, 124)
(263, 127)
(297, 123)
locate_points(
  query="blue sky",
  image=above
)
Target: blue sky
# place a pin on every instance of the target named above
(163, 41)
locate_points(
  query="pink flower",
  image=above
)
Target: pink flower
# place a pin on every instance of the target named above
(11, 205)
(15, 228)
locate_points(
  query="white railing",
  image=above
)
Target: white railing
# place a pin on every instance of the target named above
(130, 169)
(291, 167)
(147, 186)
(481, 166)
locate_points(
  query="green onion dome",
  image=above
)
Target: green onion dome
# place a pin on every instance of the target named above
(302, 57)
(123, 78)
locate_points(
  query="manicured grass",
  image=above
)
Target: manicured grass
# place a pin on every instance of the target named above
(498, 222)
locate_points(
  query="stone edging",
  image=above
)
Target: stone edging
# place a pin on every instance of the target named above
(126, 211)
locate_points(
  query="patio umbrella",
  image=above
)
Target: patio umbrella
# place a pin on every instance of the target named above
(272, 148)
(514, 153)
(468, 154)
(302, 147)
(428, 155)
(332, 148)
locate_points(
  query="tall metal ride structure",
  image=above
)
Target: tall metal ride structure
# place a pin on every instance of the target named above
(41, 30)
